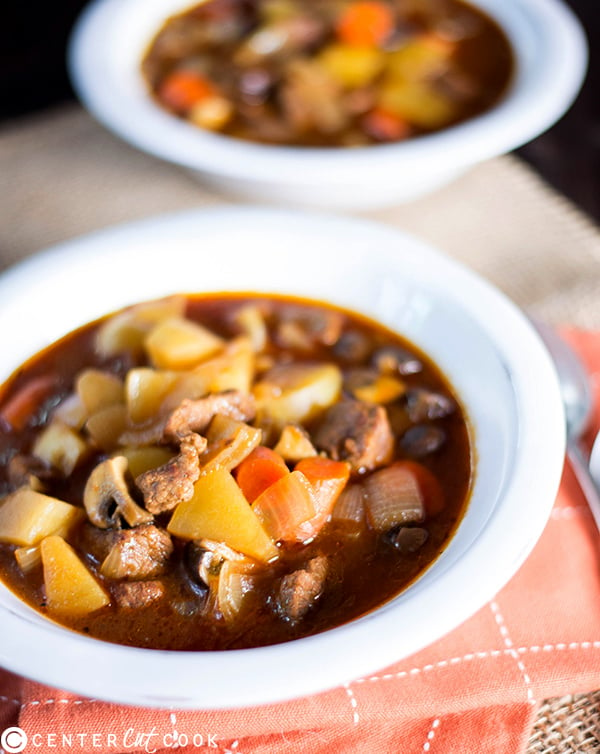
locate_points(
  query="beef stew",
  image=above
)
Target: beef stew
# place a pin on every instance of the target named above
(341, 73)
(226, 471)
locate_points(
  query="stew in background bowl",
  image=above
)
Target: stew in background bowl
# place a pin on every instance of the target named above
(331, 73)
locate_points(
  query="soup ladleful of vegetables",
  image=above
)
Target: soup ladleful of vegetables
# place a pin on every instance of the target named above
(226, 471)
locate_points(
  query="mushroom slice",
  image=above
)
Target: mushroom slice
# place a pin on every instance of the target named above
(106, 496)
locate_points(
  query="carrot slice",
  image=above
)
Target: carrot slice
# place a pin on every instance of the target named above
(328, 478)
(259, 470)
(285, 506)
(25, 401)
(183, 89)
(385, 126)
(367, 22)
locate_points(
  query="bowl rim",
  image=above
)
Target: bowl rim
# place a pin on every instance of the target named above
(551, 57)
(38, 648)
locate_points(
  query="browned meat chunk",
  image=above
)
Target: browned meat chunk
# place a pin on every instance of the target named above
(192, 416)
(136, 594)
(300, 589)
(173, 482)
(137, 553)
(356, 432)
(303, 328)
(196, 415)
(27, 470)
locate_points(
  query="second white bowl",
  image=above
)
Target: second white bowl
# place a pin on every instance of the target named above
(111, 37)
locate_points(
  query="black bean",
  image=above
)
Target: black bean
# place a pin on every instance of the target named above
(408, 539)
(352, 347)
(421, 440)
(396, 360)
(423, 404)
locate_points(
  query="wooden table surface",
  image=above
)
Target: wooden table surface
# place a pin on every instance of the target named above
(34, 77)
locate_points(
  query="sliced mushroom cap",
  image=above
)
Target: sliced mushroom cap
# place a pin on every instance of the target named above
(106, 496)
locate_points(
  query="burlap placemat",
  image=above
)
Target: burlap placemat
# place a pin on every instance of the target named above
(62, 175)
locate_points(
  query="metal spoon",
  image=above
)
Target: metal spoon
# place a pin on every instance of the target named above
(595, 460)
(577, 399)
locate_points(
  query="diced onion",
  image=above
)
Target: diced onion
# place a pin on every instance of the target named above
(393, 496)
(350, 506)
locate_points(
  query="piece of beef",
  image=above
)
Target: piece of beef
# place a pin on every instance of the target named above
(303, 329)
(25, 470)
(356, 432)
(136, 594)
(196, 415)
(173, 482)
(191, 416)
(299, 590)
(138, 553)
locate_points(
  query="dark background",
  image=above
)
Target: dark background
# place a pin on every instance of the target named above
(34, 77)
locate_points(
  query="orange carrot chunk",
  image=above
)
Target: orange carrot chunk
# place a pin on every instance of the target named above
(259, 470)
(328, 478)
(285, 506)
(367, 22)
(384, 125)
(183, 89)
(27, 400)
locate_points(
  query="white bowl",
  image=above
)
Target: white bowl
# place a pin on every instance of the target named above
(112, 35)
(482, 342)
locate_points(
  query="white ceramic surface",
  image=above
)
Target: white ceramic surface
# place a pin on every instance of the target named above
(112, 35)
(483, 343)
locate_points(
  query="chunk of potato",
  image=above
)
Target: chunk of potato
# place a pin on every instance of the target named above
(236, 371)
(145, 458)
(231, 370)
(420, 58)
(352, 65)
(98, 389)
(71, 412)
(127, 330)
(27, 516)
(219, 511)
(60, 446)
(106, 426)
(296, 393)
(30, 557)
(294, 444)
(178, 343)
(252, 323)
(145, 391)
(71, 589)
(417, 102)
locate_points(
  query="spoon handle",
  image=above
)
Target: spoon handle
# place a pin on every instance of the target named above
(588, 487)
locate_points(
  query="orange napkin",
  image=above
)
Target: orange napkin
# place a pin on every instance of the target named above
(476, 690)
